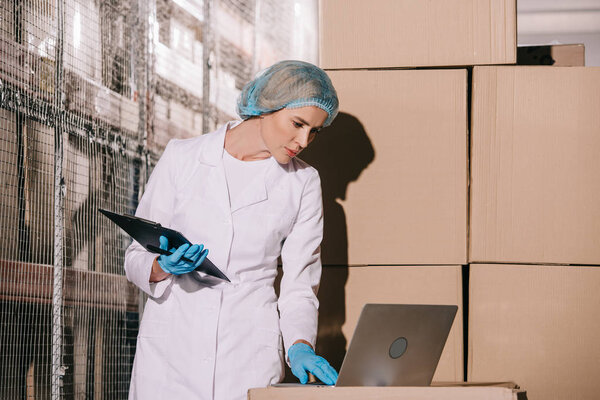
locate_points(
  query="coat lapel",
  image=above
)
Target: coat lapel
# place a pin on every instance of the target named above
(211, 155)
(216, 183)
(255, 192)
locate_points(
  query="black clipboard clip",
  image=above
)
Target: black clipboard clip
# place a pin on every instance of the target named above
(147, 233)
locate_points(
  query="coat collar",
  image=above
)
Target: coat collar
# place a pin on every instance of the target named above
(212, 154)
(212, 151)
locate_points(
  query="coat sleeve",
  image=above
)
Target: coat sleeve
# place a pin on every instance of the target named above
(301, 258)
(156, 205)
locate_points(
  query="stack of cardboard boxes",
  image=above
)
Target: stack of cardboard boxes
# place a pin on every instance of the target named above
(476, 184)
(534, 244)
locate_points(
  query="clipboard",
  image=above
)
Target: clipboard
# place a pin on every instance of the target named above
(147, 234)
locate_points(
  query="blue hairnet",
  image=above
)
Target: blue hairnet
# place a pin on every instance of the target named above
(288, 84)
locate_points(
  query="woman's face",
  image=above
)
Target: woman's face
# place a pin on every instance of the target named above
(289, 131)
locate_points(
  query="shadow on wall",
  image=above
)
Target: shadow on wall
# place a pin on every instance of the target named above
(340, 153)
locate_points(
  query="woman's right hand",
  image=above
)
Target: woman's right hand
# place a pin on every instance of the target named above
(173, 264)
(303, 359)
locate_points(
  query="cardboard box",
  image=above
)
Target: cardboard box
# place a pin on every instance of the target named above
(38, 166)
(107, 106)
(84, 38)
(182, 117)
(26, 203)
(345, 290)
(538, 326)
(224, 94)
(176, 68)
(24, 69)
(388, 393)
(9, 186)
(535, 170)
(409, 33)
(558, 55)
(130, 115)
(393, 168)
(236, 30)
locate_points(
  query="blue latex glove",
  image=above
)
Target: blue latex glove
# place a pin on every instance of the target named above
(173, 264)
(303, 359)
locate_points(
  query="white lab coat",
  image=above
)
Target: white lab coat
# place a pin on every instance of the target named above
(211, 340)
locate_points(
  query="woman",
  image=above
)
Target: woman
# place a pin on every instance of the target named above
(242, 193)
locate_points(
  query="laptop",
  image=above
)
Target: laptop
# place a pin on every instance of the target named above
(396, 345)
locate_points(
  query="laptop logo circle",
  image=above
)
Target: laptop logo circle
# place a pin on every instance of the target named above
(398, 347)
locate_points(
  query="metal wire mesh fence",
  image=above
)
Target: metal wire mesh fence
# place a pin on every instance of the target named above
(90, 93)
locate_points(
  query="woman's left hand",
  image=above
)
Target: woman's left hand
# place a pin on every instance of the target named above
(303, 359)
(173, 264)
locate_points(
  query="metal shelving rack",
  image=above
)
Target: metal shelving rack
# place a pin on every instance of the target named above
(90, 93)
